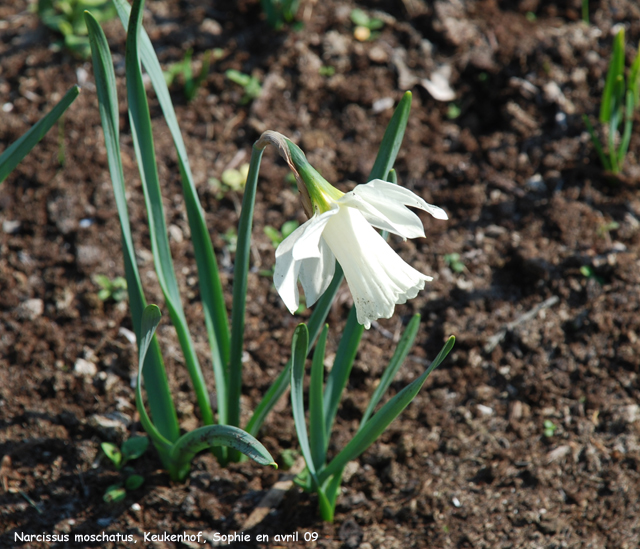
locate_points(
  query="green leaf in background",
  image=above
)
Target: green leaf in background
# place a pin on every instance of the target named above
(616, 70)
(15, 152)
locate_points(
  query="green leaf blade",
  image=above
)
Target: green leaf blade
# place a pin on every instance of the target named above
(392, 139)
(145, 154)
(339, 374)
(399, 355)
(299, 346)
(381, 420)
(211, 436)
(317, 434)
(14, 154)
(161, 405)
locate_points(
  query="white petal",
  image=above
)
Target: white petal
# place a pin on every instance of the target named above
(317, 273)
(378, 278)
(396, 218)
(378, 219)
(308, 244)
(383, 194)
(286, 270)
(303, 255)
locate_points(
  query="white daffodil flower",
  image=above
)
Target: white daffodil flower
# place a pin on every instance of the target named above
(342, 228)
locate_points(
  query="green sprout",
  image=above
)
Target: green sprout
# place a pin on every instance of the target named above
(115, 289)
(191, 84)
(132, 449)
(589, 273)
(279, 12)
(453, 111)
(277, 236)
(454, 262)
(619, 100)
(365, 25)
(549, 428)
(232, 180)
(66, 18)
(585, 11)
(251, 85)
(231, 239)
(326, 70)
(604, 230)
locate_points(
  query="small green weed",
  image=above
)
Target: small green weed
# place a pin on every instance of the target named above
(251, 85)
(277, 236)
(183, 68)
(66, 17)
(454, 262)
(115, 289)
(365, 25)
(132, 449)
(549, 428)
(279, 12)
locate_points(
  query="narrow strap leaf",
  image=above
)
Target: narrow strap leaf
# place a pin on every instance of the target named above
(596, 143)
(15, 152)
(626, 135)
(209, 278)
(392, 139)
(339, 374)
(240, 281)
(399, 355)
(317, 434)
(161, 403)
(616, 69)
(299, 346)
(143, 145)
(381, 420)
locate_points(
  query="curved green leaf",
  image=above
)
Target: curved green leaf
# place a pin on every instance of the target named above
(150, 320)
(15, 152)
(299, 346)
(209, 436)
(401, 352)
(381, 420)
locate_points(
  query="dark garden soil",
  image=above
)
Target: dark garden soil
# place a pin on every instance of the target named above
(526, 437)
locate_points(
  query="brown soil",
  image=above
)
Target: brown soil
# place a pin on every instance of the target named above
(468, 463)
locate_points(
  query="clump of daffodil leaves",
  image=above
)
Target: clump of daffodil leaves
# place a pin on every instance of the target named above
(339, 240)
